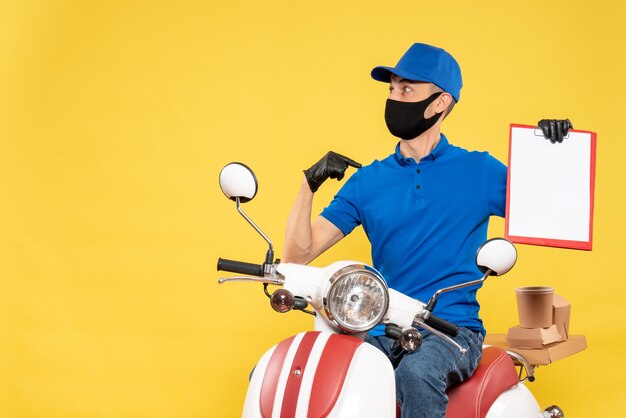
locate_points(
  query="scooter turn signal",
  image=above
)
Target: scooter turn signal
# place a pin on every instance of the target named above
(410, 340)
(282, 301)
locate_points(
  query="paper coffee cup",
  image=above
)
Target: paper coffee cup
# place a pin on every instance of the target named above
(534, 306)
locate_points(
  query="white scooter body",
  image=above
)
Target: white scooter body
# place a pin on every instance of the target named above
(369, 386)
(367, 391)
(516, 402)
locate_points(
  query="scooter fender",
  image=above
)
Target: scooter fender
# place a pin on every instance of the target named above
(515, 402)
(321, 374)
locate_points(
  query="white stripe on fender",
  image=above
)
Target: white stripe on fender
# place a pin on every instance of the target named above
(309, 374)
(284, 375)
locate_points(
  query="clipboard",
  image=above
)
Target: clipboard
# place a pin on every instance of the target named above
(550, 188)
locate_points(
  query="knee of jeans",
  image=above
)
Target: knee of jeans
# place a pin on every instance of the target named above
(417, 374)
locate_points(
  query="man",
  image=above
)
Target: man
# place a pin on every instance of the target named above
(425, 210)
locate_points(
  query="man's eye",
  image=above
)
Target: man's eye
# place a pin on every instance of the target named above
(407, 89)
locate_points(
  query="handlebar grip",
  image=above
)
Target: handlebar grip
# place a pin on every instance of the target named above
(393, 331)
(442, 325)
(240, 267)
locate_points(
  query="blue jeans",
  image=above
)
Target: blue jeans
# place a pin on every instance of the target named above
(423, 376)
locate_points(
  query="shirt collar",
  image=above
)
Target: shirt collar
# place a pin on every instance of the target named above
(442, 146)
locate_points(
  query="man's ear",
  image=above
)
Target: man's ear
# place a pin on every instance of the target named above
(443, 102)
(447, 102)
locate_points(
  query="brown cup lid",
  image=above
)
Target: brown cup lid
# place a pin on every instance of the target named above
(535, 290)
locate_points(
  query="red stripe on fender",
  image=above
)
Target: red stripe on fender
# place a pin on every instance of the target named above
(270, 379)
(331, 373)
(294, 382)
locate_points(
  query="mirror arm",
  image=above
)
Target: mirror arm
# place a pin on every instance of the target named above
(269, 257)
(433, 301)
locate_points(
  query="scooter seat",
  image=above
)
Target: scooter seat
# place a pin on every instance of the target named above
(473, 398)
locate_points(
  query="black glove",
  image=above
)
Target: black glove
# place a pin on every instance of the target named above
(332, 165)
(555, 129)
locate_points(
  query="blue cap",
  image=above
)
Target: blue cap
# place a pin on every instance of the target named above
(426, 63)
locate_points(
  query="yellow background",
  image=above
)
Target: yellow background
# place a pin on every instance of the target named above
(116, 117)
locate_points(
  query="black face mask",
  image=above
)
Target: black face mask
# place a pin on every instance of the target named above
(406, 119)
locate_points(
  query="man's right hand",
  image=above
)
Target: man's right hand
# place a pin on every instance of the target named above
(332, 165)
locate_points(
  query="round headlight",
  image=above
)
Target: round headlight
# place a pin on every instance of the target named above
(357, 298)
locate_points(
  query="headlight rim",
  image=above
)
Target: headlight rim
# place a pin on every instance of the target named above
(351, 269)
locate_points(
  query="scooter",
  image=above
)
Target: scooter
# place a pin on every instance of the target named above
(331, 371)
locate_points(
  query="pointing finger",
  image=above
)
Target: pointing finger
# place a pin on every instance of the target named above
(350, 161)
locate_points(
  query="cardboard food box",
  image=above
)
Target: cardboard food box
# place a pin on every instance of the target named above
(561, 310)
(545, 355)
(533, 337)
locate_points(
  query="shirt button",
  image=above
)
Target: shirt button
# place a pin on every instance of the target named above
(418, 171)
(418, 187)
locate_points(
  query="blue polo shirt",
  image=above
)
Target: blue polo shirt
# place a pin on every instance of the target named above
(425, 221)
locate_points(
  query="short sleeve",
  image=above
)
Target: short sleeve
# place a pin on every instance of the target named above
(343, 209)
(495, 186)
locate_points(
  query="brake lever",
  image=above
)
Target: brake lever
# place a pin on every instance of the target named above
(279, 281)
(446, 338)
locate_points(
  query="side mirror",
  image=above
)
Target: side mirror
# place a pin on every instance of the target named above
(496, 256)
(238, 181)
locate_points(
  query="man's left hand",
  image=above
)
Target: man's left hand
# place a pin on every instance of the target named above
(555, 129)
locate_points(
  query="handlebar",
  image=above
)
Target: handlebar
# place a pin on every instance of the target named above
(240, 267)
(442, 325)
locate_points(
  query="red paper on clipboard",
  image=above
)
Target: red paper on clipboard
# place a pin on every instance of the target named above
(550, 189)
